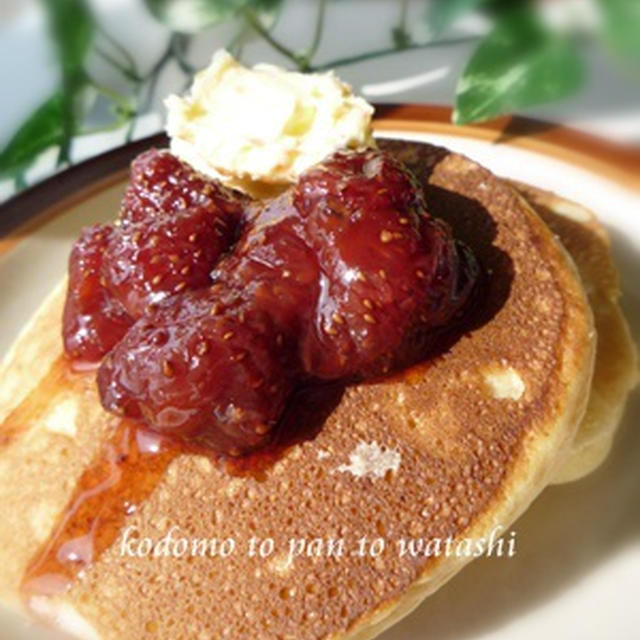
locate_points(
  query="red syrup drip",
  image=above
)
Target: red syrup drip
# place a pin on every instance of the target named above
(126, 471)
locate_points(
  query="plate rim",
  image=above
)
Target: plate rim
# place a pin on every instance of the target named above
(28, 210)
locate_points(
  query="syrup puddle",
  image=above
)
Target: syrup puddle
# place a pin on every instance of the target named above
(126, 472)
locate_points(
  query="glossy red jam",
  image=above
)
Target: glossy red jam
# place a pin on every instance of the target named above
(341, 277)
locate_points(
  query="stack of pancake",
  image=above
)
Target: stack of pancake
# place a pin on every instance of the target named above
(530, 393)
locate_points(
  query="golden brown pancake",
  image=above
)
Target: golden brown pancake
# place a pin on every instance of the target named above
(452, 447)
(616, 366)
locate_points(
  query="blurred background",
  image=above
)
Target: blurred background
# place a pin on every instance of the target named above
(83, 76)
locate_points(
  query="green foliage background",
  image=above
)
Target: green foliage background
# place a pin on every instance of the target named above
(519, 63)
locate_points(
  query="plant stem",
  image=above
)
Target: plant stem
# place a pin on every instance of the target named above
(235, 44)
(125, 54)
(179, 46)
(379, 53)
(399, 34)
(134, 116)
(63, 151)
(130, 74)
(317, 36)
(404, 11)
(70, 87)
(114, 96)
(154, 74)
(130, 129)
(299, 61)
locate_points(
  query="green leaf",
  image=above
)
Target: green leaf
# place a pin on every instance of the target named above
(191, 16)
(443, 13)
(267, 11)
(72, 28)
(40, 131)
(519, 64)
(54, 122)
(621, 26)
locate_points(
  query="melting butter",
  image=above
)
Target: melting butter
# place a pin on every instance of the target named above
(264, 125)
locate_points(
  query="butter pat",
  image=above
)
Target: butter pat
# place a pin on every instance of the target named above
(264, 125)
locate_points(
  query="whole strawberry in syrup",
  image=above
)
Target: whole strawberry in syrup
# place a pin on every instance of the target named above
(146, 262)
(161, 184)
(174, 225)
(93, 320)
(388, 271)
(211, 371)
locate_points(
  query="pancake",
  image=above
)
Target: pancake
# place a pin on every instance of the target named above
(451, 448)
(616, 366)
